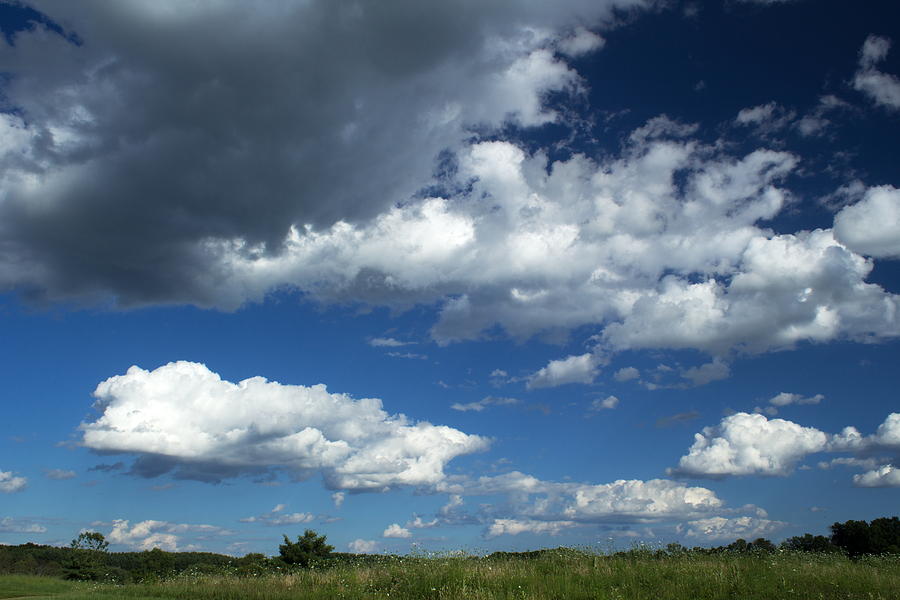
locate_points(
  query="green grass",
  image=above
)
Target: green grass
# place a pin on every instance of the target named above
(556, 575)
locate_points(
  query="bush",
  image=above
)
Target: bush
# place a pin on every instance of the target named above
(307, 550)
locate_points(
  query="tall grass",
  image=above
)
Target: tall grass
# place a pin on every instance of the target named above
(563, 574)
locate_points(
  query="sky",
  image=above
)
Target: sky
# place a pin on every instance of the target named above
(457, 276)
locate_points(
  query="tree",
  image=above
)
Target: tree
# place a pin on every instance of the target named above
(306, 550)
(90, 540)
(809, 543)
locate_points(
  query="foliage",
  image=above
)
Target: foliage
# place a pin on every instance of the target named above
(857, 538)
(306, 551)
(90, 540)
(809, 543)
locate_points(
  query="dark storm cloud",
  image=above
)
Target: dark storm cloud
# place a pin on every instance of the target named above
(175, 125)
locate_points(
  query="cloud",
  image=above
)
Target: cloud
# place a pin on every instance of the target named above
(60, 474)
(722, 528)
(387, 342)
(766, 119)
(707, 373)
(395, 531)
(276, 518)
(480, 405)
(785, 398)
(13, 525)
(882, 88)
(883, 476)
(361, 546)
(338, 499)
(515, 527)
(751, 444)
(683, 417)
(285, 111)
(745, 444)
(572, 369)
(609, 402)
(185, 418)
(164, 535)
(581, 42)
(871, 226)
(626, 374)
(10, 483)
(105, 468)
(530, 498)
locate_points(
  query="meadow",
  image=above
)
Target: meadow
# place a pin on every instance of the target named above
(557, 574)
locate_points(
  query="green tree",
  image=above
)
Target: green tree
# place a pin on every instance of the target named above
(809, 543)
(90, 540)
(308, 549)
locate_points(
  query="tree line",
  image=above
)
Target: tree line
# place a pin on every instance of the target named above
(88, 557)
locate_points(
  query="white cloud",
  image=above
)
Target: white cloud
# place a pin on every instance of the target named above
(164, 535)
(572, 369)
(277, 517)
(722, 528)
(530, 498)
(581, 42)
(751, 444)
(609, 402)
(338, 499)
(12, 525)
(10, 483)
(872, 225)
(883, 476)
(480, 405)
(882, 88)
(361, 546)
(786, 398)
(515, 527)
(419, 523)
(714, 370)
(394, 530)
(626, 374)
(766, 119)
(60, 474)
(182, 416)
(388, 342)
(745, 444)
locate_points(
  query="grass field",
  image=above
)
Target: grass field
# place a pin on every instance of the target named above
(558, 575)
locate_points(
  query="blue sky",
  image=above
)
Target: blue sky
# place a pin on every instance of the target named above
(459, 276)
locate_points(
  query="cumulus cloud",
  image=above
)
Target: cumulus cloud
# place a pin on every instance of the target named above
(872, 225)
(724, 528)
(883, 476)
(751, 444)
(707, 373)
(338, 499)
(164, 535)
(786, 398)
(530, 498)
(394, 530)
(13, 525)
(277, 119)
(10, 483)
(626, 374)
(185, 418)
(609, 402)
(361, 546)
(516, 526)
(480, 405)
(765, 119)
(572, 369)
(882, 88)
(745, 444)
